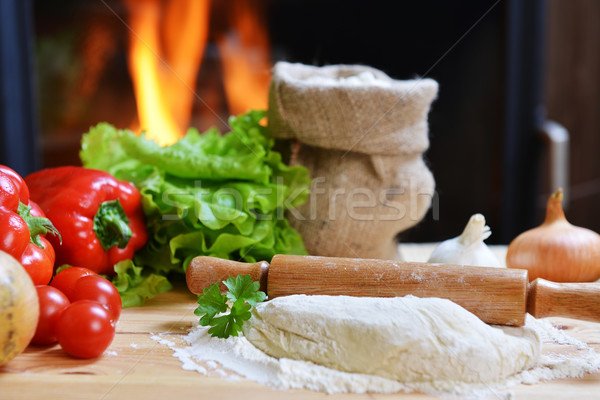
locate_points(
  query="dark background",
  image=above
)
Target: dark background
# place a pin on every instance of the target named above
(503, 67)
(424, 39)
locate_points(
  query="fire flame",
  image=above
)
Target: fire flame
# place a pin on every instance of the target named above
(164, 71)
(246, 59)
(167, 44)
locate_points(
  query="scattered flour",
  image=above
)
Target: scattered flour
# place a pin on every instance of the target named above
(236, 358)
(365, 78)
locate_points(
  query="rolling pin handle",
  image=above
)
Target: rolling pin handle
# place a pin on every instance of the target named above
(204, 271)
(569, 300)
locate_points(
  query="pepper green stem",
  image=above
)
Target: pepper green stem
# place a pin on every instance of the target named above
(111, 225)
(37, 225)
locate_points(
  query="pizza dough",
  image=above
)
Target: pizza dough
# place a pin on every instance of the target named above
(407, 339)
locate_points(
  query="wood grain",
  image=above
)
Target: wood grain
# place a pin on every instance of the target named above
(137, 367)
(204, 271)
(577, 300)
(497, 296)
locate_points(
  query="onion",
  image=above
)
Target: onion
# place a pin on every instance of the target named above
(19, 308)
(556, 250)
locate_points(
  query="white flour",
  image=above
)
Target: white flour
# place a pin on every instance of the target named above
(365, 78)
(236, 358)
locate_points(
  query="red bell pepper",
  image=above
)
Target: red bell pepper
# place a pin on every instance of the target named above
(100, 218)
(22, 226)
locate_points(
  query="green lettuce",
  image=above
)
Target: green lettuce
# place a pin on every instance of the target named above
(221, 195)
(135, 286)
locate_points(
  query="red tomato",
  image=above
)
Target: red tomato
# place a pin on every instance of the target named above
(39, 262)
(84, 329)
(65, 279)
(18, 181)
(14, 234)
(9, 192)
(97, 288)
(52, 303)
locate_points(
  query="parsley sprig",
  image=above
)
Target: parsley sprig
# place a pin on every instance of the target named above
(243, 294)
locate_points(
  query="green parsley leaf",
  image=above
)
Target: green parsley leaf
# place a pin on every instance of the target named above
(210, 303)
(243, 294)
(231, 324)
(242, 288)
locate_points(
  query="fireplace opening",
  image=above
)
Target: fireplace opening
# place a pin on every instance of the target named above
(154, 66)
(163, 66)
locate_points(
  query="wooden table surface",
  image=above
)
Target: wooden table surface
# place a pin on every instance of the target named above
(137, 367)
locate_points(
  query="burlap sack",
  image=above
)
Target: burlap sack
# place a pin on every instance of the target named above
(362, 136)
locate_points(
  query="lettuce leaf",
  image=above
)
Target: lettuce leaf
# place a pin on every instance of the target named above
(222, 195)
(135, 286)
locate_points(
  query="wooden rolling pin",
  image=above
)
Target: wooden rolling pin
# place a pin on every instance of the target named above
(496, 295)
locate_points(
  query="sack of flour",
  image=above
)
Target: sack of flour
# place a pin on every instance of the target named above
(362, 135)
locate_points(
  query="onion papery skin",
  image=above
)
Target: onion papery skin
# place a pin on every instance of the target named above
(557, 250)
(19, 308)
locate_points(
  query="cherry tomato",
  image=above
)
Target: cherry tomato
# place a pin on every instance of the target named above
(84, 329)
(18, 181)
(14, 234)
(39, 262)
(52, 303)
(65, 279)
(9, 192)
(97, 288)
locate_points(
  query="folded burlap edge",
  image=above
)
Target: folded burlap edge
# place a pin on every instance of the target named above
(390, 117)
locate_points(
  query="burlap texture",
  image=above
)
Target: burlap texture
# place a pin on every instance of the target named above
(363, 144)
(369, 119)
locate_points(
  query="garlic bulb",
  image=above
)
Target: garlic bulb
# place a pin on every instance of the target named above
(468, 248)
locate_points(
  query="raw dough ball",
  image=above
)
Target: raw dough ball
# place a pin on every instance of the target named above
(407, 339)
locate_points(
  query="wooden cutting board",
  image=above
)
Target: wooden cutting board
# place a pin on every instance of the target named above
(137, 367)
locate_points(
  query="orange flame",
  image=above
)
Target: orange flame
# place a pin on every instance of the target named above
(166, 48)
(246, 58)
(164, 72)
